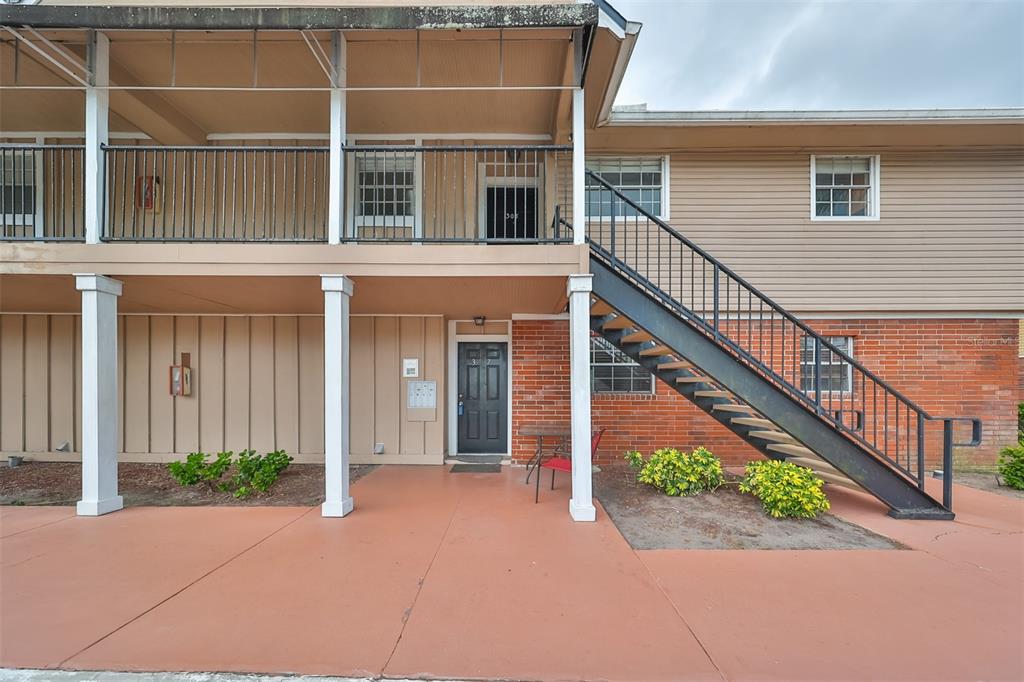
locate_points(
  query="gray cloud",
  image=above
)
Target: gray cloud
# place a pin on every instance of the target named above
(818, 54)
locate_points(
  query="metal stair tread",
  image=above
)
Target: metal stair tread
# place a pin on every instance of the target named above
(735, 407)
(712, 394)
(655, 351)
(793, 449)
(753, 421)
(776, 436)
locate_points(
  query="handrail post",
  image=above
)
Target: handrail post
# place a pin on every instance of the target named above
(611, 227)
(714, 299)
(920, 451)
(817, 374)
(947, 463)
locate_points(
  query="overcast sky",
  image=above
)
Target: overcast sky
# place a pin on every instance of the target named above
(825, 54)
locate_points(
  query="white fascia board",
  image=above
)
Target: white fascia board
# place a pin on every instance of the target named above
(628, 42)
(877, 116)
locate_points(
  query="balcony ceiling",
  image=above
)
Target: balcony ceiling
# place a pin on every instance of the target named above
(454, 297)
(521, 58)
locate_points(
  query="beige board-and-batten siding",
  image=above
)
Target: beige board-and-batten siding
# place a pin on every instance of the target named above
(257, 382)
(950, 236)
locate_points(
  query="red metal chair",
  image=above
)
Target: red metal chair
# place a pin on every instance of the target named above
(561, 460)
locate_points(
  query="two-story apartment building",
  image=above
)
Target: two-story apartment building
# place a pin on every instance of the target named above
(393, 234)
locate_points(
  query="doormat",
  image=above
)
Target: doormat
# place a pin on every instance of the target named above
(480, 459)
(476, 469)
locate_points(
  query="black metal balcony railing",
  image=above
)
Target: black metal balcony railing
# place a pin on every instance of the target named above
(435, 194)
(486, 194)
(218, 194)
(42, 192)
(390, 194)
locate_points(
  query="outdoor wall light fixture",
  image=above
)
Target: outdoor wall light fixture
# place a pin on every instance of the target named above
(479, 320)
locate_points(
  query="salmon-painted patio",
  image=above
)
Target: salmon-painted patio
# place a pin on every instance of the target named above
(462, 576)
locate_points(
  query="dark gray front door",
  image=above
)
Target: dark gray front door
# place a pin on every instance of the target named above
(483, 397)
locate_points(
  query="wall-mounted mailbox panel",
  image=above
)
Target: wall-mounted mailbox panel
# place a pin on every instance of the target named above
(421, 401)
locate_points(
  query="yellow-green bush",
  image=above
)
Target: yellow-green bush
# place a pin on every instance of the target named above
(678, 473)
(1011, 466)
(785, 489)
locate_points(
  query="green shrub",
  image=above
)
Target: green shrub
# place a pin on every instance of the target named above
(1020, 423)
(195, 469)
(1011, 466)
(635, 459)
(784, 488)
(678, 473)
(255, 473)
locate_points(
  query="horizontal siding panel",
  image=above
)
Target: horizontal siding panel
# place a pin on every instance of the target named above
(949, 236)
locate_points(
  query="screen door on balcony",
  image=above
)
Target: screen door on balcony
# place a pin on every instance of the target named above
(510, 212)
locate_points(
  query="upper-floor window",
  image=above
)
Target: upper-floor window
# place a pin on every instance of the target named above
(612, 371)
(836, 372)
(385, 189)
(641, 178)
(18, 187)
(844, 187)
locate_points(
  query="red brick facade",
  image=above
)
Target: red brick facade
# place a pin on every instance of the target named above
(949, 367)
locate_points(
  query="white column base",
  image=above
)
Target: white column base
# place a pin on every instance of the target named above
(337, 509)
(99, 507)
(582, 512)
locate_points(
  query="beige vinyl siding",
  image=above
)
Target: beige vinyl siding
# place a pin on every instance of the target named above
(257, 382)
(950, 236)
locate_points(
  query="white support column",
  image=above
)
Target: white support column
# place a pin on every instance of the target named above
(99, 394)
(97, 99)
(579, 149)
(579, 223)
(336, 182)
(581, 506)
(337, 294)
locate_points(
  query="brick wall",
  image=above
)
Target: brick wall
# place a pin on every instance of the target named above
(949, 367)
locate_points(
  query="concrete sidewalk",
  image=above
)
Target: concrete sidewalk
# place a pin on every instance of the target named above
(462, 576)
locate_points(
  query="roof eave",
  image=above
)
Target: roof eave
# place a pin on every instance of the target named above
(770, 118)
(564, 15)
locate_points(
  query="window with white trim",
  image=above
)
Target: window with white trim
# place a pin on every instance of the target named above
(641, 178)
(844, 187)
(612, 371)
(18, 187)
(836, 372)
(385, 189)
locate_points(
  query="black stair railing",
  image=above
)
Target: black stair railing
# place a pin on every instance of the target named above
(624, 232)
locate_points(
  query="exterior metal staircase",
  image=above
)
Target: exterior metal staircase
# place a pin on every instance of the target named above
(754, 367)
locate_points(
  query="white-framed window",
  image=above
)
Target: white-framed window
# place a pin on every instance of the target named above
(20, 187)
(844, 187)
(836, 373)
(612, 371)
(644, 179)
(384, 189)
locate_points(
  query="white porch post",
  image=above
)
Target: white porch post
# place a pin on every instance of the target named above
(336, 180)
(579, 223)
(97, 99)
(581, 506)
(99, 394)
(337, 294)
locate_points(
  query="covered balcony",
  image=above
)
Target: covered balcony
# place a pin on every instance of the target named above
(337, 127)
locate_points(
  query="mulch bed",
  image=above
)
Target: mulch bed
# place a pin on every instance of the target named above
(723, 519)
(988, 482)
(60, 483)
